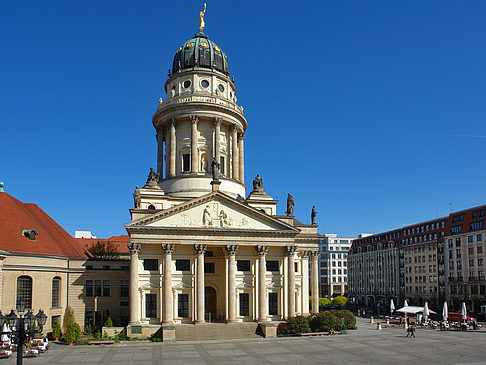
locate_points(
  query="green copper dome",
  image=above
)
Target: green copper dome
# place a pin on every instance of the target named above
(200, 52)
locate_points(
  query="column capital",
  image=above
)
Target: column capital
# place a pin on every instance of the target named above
(290, 250)
(305, 254)
(261, 250)
(314, 254)
(231, 249)
(235, 127)
(241, 135)
(200, 249)
(134, 247)
(172, 122)
(168, 248)
(194, 119)
(218, 121)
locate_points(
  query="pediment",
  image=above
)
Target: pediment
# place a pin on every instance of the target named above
(149, 286)
(182, 285)
(213, 211)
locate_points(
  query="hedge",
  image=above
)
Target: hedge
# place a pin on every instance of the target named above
(321, 322)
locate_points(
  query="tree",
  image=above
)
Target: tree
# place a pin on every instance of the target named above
(298, 325)
(56, 329)
(105, 250)
(72, 331)
(108, 322)
(68, 318)
(339, 300)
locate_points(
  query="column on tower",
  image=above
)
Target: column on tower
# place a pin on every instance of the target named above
(241, 139)
(315, 281)
(289, 252)
(167, 309)
(217, 141)
(172, 158)
(194, 156)
(133, 288)
(235, 152)
(262, 283)
(160, 152)
(200, 251)
(231, 259)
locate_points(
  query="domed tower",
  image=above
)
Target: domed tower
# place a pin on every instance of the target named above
(200, 121)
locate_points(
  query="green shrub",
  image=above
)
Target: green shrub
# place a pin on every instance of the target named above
(88, 329)
(108, 322)
(73, 333)
(298, 325)
(323, 302)
(349, 318)
(68, 318)
(97, 335)
(324, 321)
(56, 329)
(339, 300)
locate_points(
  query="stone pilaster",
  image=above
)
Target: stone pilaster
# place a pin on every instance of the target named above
(133, 289)
(194, 156)
(234, 153)
(241, 153)
(305, 282)
(262, 283)
(160, 153)
(289, 252)
(167, 310)
(217, 141)
(231, 257)
(315, 281)
(172, 157)
(200, 251)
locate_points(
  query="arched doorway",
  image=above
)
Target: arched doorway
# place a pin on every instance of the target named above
(210, 303)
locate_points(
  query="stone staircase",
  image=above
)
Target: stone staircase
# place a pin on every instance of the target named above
(215, 331)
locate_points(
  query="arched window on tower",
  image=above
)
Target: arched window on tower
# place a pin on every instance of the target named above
(24, 292)
(56, 290)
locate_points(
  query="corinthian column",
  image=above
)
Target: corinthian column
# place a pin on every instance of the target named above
(305, 282)
(315, 281)
(200, 250)
(289, 252)
(168, 312)
(231, 252)
(217, 141)
(172, 170)
(241, 153)
(262, 283)
(194, 157)
(160, 153)
(134, 300)
(234, 144)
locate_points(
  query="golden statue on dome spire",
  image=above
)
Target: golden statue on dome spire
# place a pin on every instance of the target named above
(201, 19)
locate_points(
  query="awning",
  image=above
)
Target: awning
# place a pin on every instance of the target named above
(413, 310)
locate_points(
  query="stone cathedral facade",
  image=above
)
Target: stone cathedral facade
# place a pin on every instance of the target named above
(201, 249)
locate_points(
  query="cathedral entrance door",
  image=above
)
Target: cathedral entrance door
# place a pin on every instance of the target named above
(210, 303)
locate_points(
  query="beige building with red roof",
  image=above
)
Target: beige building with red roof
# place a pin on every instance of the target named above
(43, 267)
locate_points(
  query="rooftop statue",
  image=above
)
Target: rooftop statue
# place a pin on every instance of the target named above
(201, 19)
(313, 215)
(136, 197)
(152, 180)
(258, 184)
(290, 205)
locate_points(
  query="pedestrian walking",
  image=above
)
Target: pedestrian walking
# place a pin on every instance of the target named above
(408, 332)
(412, 331)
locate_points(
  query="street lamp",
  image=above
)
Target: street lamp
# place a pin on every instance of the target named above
(24, 328)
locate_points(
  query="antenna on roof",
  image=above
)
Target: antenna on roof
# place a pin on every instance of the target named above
(450, 205)
(2, 184)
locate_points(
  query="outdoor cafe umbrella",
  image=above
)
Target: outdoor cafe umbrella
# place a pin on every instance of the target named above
(405, 303)
(426, 312)
(392, 306)
(4, 337)
(463, 311)
(445, 312)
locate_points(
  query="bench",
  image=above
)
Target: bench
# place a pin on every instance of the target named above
(102, 342)
(314, 334)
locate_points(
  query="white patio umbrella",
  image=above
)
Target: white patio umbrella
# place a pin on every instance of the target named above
(445, 312)
(405, 303)
(392, 306)
(463, 311)
(426, 312)
(5, 337)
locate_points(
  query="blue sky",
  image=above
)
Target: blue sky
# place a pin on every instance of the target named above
(373, 111)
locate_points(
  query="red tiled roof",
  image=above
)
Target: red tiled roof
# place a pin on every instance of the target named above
(52, 239)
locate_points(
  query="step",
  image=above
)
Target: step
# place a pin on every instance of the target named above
(215, 331)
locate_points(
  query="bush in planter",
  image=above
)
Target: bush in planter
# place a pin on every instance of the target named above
(349, 318)
(298, 325)
(56, 329)
(68, 318)
(73, 333)
(324, 321)
(108, 322)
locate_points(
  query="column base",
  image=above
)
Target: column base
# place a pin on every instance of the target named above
(200, 322)
(231, 321)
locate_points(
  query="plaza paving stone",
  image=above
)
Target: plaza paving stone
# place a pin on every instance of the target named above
(363, 346)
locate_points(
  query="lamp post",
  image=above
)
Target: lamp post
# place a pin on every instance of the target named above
(24, 328)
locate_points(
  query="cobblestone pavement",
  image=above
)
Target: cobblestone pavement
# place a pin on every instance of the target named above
(363, 346)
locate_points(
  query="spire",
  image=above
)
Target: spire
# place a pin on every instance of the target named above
(201, 19)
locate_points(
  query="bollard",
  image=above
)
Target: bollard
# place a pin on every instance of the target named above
(387, 321)
(378, 326)
(372, 320)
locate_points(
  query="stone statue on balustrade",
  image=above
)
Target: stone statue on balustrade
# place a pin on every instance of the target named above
(313, 215)
(136, 198)
(258, 185)
(290, 205)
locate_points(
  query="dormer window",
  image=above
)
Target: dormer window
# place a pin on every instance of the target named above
(31, 234)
